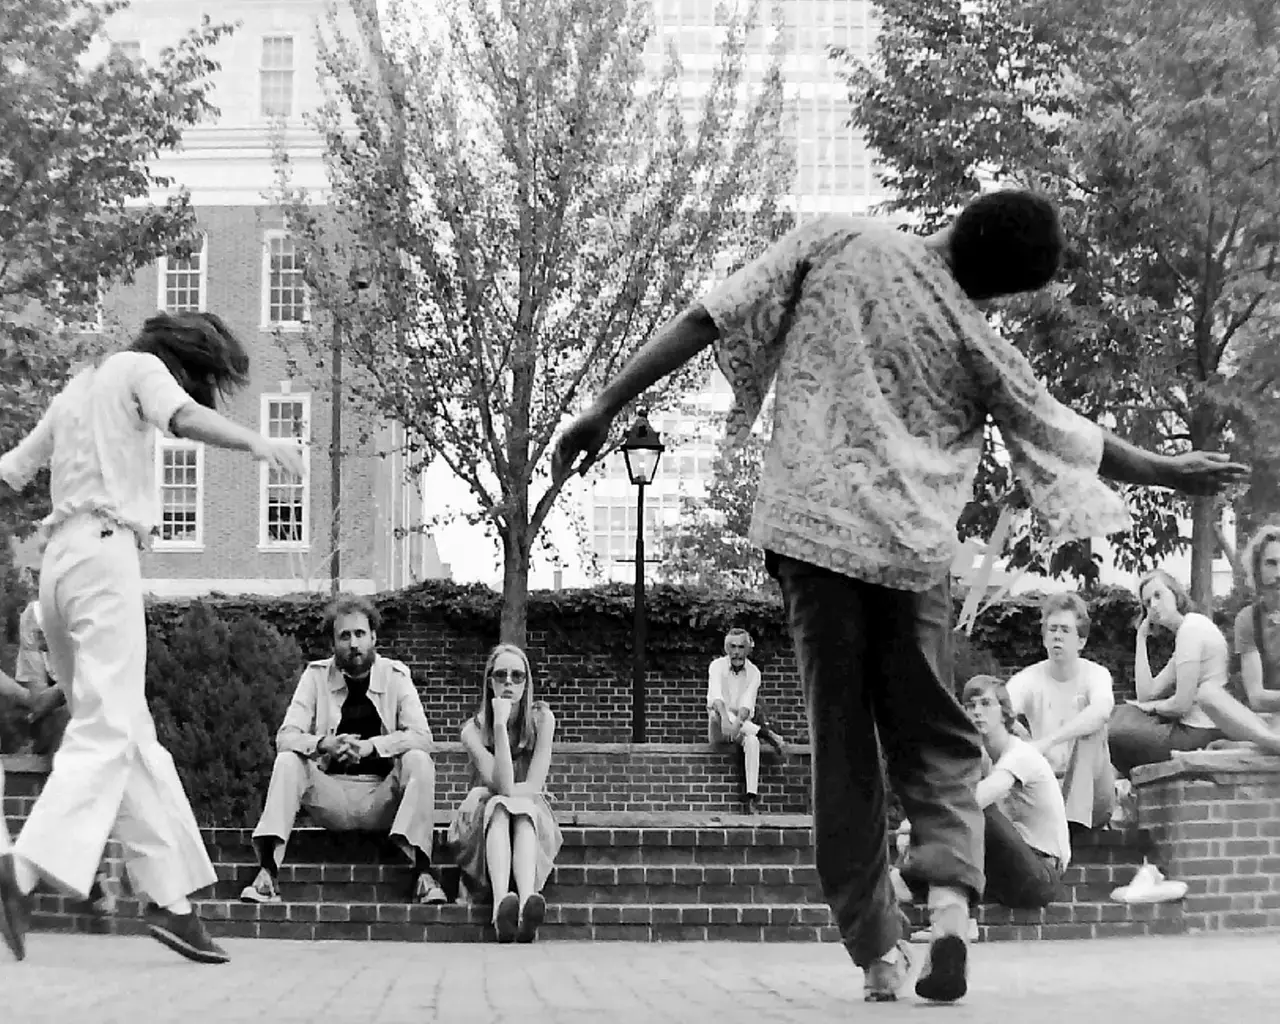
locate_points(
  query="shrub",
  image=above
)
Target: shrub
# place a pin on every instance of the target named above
(218, 690)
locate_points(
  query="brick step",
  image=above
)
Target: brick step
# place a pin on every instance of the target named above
(647, 845)
(603, 883)
(600, 921)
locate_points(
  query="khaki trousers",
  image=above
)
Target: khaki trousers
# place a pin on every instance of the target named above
(404, 803)
(746, 736)
(1088, 781)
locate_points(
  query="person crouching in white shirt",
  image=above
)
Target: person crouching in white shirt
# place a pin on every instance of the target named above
(1028, 844)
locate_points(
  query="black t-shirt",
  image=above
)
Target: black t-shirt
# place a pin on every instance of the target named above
(360, 718)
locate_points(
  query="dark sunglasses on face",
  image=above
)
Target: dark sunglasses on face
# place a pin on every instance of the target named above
(516, 675)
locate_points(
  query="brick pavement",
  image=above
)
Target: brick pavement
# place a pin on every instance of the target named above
(77, 979)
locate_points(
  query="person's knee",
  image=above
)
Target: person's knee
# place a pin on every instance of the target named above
(418, 764)
(289, 766)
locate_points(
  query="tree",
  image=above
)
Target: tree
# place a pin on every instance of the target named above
(527, 204)
(76, 136)
(709, 546)
(1154, 127)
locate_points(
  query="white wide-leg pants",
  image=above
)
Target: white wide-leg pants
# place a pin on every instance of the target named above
(111, 776)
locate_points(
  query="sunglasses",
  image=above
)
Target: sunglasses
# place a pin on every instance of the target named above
(516, 675)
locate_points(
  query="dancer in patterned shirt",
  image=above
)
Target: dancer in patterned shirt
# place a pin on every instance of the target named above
(885, 374)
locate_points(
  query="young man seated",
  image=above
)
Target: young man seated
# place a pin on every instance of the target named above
(355, 751)
(1028, 844)
(1067, 701)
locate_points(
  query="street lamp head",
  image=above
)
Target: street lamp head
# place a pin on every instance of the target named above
(642, 448)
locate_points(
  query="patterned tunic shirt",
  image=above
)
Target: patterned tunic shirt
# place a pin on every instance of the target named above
(885, 374)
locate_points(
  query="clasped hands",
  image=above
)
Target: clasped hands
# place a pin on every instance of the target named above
(346, 748)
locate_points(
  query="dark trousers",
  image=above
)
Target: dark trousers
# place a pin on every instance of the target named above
(1017, 874)
(1138, 737)
(875, 666)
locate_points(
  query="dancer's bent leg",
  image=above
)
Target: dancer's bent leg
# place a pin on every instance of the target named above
(831, 630)
(934, 758)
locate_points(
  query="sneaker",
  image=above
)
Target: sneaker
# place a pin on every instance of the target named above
(263, 889)
(184, 934)
(882, 980)
(427, 890)
(13, 910)
(102, 900)
(531, 915)
(945, 975)
(506, 917)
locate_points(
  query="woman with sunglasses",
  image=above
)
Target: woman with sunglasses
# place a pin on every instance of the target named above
(504, 830)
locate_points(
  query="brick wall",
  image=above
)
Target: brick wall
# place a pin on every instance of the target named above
(1215, 819)
(583, 778)
(232, 504)
(583, 668)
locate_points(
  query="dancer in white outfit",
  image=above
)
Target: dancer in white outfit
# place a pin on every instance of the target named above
(111, 775)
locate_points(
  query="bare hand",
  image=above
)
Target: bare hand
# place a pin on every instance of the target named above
(501, 711)
(283, 456)
(1203, 473)
(1144, 627)
(580, 444)
(44, 702)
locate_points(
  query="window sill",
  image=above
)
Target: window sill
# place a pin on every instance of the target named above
(165, 547)
(285, 548)
(291, 327)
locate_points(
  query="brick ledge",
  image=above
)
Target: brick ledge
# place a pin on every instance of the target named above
(30, 764)
(1210, 763)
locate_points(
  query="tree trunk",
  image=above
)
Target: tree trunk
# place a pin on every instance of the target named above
(1206, 436)
(1204, 545)
(515, 585)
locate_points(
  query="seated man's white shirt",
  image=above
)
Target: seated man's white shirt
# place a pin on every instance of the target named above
(1034, 803)
(737, 689)
(1048, 703)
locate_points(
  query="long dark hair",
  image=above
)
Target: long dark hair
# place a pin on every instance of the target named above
(201, 352)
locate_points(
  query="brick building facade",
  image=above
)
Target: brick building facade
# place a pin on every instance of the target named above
(224, 525)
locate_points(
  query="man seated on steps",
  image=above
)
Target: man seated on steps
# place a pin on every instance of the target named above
(1028, 845)
(1067, 701)
(732, 716)
(355, 751)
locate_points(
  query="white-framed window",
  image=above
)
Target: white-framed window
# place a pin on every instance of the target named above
(181, 283)
(285, 521)
(275, 77)
(285, 302)
(614, 521)
(180, 481)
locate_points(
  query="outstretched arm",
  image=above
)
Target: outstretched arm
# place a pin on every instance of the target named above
(1191, 472)
(676, 342)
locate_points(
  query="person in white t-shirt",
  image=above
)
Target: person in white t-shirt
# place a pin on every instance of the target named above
(1200, 710)
(732, 684)
(1028, 844)
(1067, 701)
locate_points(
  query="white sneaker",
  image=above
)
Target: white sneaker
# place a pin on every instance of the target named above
(263, 889)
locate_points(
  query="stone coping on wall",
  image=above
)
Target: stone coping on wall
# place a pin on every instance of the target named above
(30, 764)
(1243, 760)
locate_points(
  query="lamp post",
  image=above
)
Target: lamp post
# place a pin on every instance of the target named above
(642, 448)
